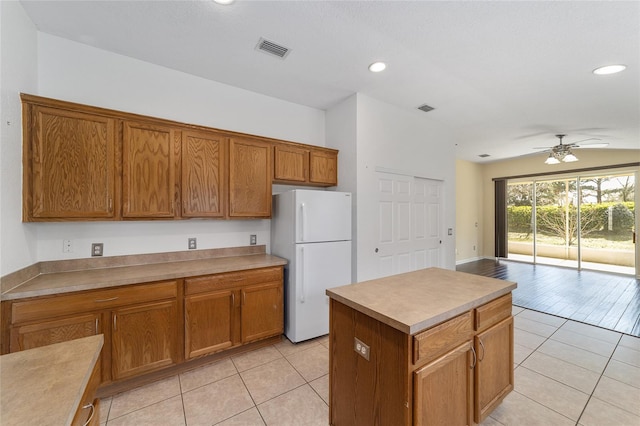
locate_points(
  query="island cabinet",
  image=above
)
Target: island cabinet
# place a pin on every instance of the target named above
(232, 309)
(430, 347)
(139, 322)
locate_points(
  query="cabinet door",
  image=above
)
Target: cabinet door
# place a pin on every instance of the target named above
(209, 322)
(323, 167)
(443, 389)
(56, 331)
(249, 178)
(143, 338)
(204, 189)
(290, 164)
(494, 370)
(262, 311)
(148, 170)
(72, 169)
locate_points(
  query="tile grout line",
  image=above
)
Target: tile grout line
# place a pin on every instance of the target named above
(598, 382)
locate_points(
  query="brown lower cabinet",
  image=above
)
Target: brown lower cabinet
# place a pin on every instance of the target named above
(454, 373)
(231, 309)
(143, 338)
(152, 326)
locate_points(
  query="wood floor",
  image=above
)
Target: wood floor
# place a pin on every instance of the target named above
(606, 300)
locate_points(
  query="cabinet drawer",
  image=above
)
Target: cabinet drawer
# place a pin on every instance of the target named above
(91, 301)
(232, 279)
(442, 338)
(493, 312)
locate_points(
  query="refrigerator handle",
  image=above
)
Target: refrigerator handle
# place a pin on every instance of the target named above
(301, 274)
(302, 221)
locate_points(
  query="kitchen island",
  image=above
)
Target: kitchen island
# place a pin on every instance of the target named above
(429, 347)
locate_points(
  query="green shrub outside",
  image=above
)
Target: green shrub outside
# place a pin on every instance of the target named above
(520, 220)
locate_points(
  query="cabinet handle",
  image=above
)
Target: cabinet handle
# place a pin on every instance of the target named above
(474, 358)
(235, 280)
(481, 344)
(110, 205)
(96, 325)
(244, 298)
(105, 300)
(93, 411)
(114, 322)
(233, 299)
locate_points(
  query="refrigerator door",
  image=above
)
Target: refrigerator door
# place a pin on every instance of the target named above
(322, 216)
(316, 267)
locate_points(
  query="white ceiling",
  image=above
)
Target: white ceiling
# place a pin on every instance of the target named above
(505, 76)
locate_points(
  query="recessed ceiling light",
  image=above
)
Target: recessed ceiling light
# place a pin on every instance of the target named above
(225, 2)
(609, 69)
(377, 66)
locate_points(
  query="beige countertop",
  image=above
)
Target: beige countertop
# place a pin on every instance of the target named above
(418, 300)
(44, 386)
(90, 279)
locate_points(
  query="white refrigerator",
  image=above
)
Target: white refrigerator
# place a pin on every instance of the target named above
(312, 230)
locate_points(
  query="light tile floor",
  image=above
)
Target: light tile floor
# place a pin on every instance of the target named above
(566, 373)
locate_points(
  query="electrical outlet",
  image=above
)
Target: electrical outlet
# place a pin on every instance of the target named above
(450, 231)
(362, 349)
(67, 246)
(97, 249)
(253, 239)
(193, 243)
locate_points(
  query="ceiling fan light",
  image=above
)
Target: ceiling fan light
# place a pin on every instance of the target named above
(551, 159)
(570, 158)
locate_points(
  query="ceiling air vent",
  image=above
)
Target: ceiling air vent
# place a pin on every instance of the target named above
(425, 108)
(484, 155)
(272, 48)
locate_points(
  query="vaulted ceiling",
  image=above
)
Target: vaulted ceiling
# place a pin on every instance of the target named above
(504, 76)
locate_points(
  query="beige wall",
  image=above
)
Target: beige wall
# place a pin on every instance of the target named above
(475, 193)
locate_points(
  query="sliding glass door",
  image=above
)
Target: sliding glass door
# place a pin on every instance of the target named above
(583, 221)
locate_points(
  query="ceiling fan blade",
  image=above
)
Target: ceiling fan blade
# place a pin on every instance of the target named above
(542, 147)
(593, 145)
(589, 139)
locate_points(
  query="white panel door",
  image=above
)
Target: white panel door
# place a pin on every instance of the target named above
(409, 224)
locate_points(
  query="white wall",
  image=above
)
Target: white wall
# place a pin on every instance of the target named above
(341, 131)
(469, 211)
(79, 73)
(396, 139)
(18, 73)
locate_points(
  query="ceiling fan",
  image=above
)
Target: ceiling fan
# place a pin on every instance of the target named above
(562, 152)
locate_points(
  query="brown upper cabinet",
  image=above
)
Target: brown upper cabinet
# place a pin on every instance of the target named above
(69, 165)
(148, 170)
(305, 166)
(249, 178)
(204, 174)
(323, 167)
(88, 163)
